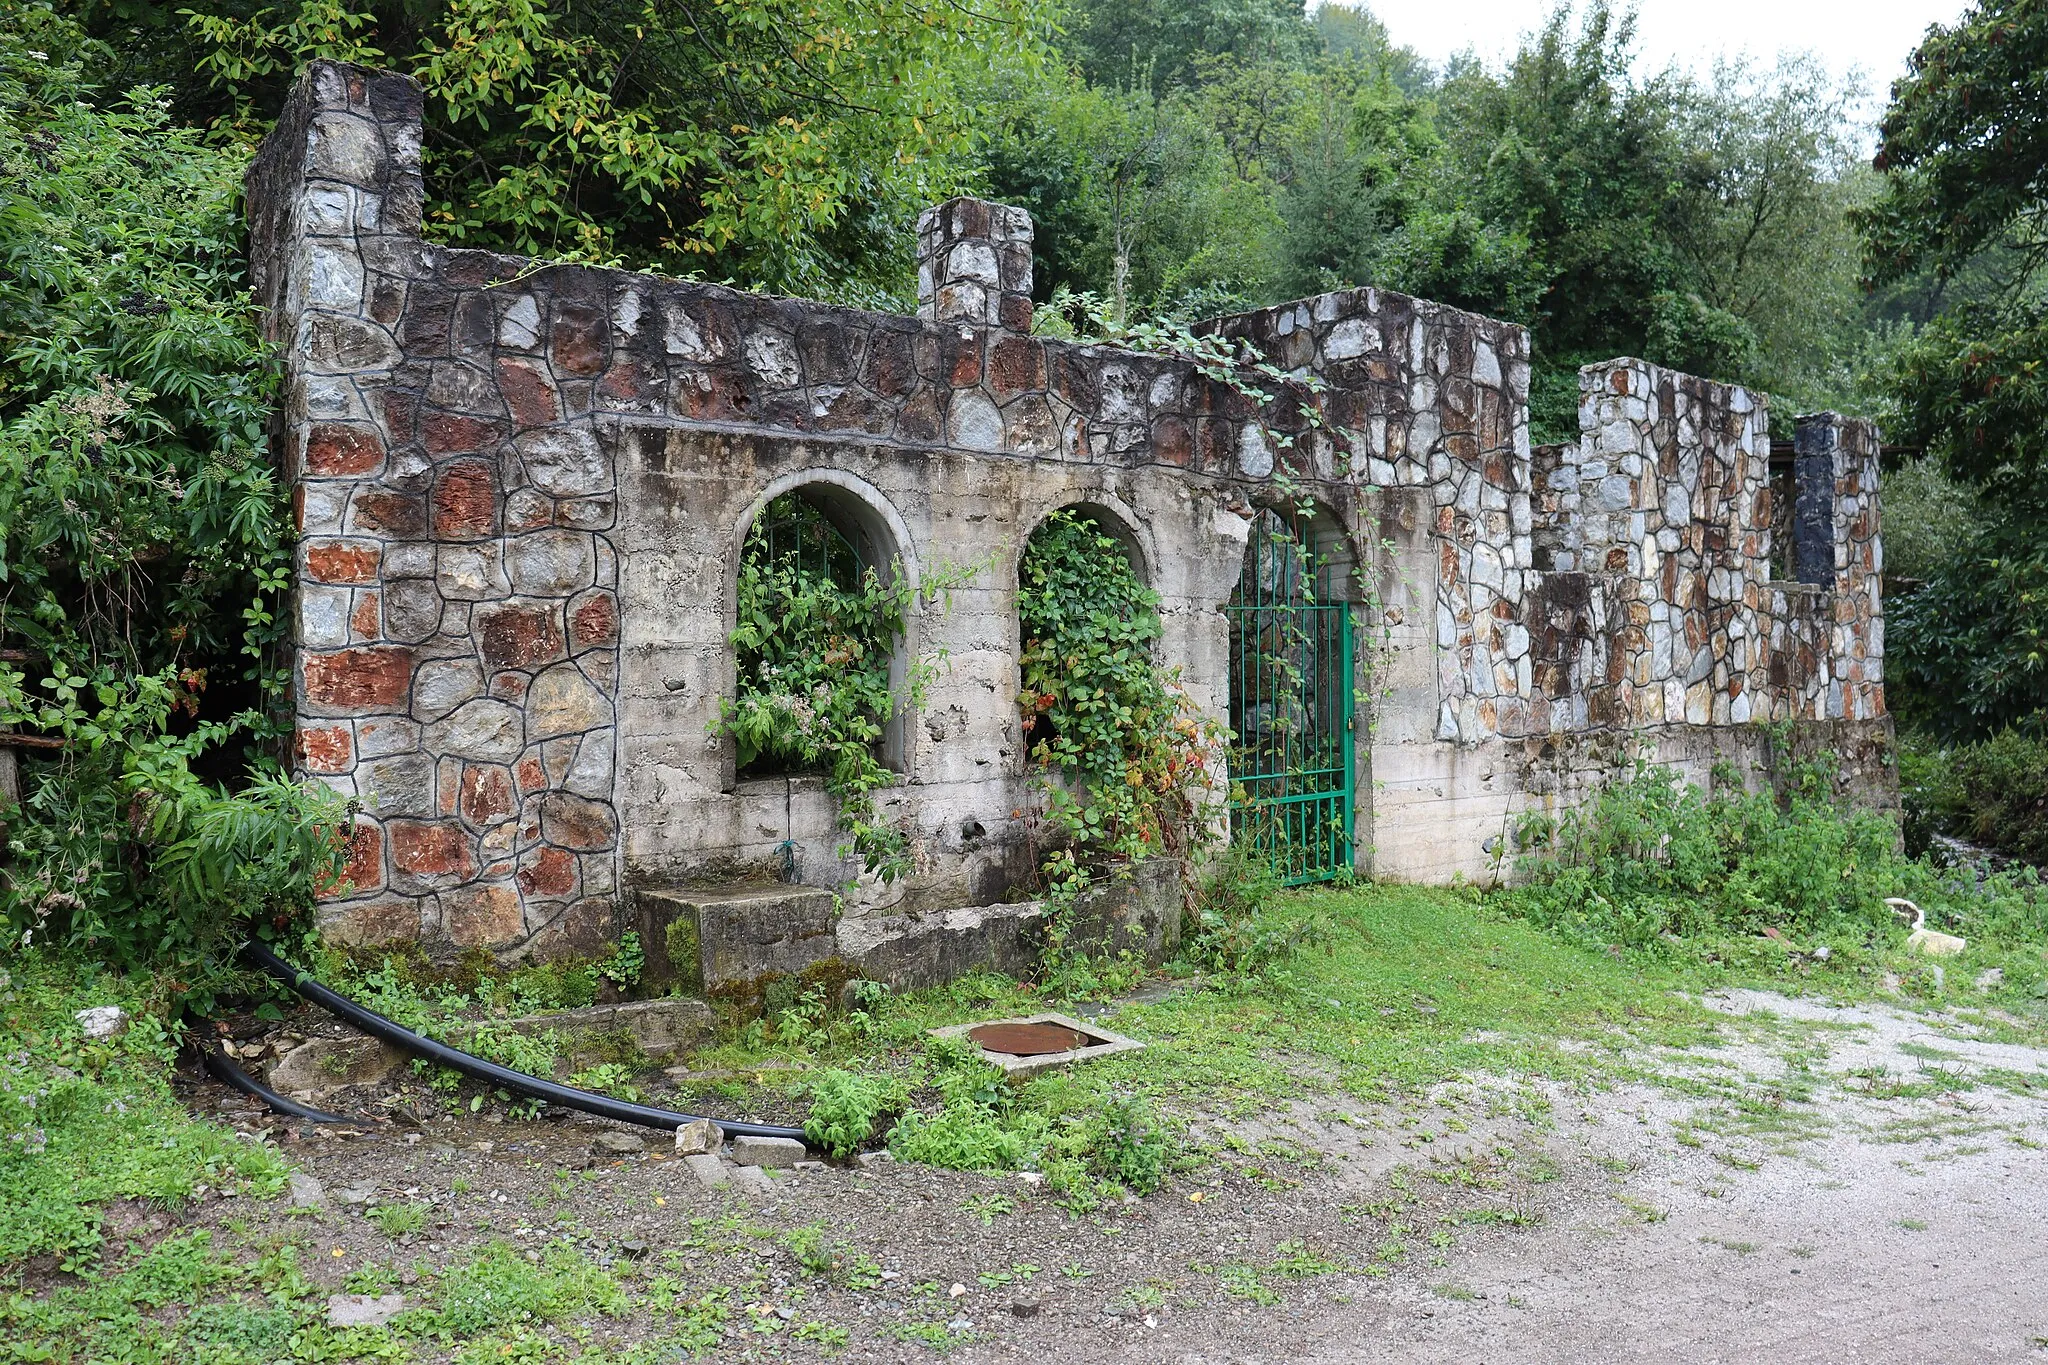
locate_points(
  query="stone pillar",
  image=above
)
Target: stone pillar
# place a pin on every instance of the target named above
(1815, 442)
(1837, 545)
(974, 264)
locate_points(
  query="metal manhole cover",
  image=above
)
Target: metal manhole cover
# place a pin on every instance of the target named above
(1027, 1040)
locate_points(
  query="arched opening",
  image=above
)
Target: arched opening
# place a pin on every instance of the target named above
(1080, 587)
(820, 645)
(1293, 695)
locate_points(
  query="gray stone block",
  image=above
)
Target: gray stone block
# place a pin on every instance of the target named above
(776, 1153)
(709, 1170)
(731, 936)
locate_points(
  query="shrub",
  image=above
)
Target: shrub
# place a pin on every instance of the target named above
(1127, 1146)
(1653, 863)
(144, 538)
(846, 1109)
(2002, 789)
(1235, 930)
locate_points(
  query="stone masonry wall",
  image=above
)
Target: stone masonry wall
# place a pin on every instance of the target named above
(521, 492)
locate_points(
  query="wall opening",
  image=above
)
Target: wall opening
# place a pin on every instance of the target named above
(1293, 692)
(1080, 584)
(819, 639)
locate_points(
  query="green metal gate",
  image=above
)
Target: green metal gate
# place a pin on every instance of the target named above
(1291, 701)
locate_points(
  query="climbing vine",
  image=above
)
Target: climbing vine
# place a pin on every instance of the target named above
(1123, 754)
(815, 638)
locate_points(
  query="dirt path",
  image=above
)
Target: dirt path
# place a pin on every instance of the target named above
(1841, 1185)
(1911, 1230)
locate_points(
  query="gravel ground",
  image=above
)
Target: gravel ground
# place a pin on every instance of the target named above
(1851, 1185)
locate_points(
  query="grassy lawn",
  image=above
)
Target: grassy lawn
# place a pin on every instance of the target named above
(1398, 991)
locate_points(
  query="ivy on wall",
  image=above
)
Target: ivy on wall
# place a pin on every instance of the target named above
(1124, 753)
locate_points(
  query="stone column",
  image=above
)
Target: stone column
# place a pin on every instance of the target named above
(974, 264)
(1816, 440)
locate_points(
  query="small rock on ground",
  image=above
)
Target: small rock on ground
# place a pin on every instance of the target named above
(361, 1310)
(307, 1193)
(102, 1021)
(701, 1136)
(614, 1143)
(773, 1152)
(708, 1169)
(752, 1179)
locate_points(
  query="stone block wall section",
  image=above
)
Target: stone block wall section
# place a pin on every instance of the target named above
(521, 491)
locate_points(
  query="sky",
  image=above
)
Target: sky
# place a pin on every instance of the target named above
(1874, 35)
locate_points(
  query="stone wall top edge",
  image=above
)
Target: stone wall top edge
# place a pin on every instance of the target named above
(619, 424)
(1351, 302)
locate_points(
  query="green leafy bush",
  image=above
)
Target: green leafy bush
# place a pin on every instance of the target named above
(978, 1127)
(2003, 789)
(846, 1108)
(144, 539)
(816, 640)
(1654, 864)
(1122, 754)
(1232, 932)
(1127, 1146)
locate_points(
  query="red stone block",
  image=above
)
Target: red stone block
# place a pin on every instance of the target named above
(333, 450)
(528, 392)
(484, 916)
(337, 561)
(452, 433)
(518, 636)
(595, 621)
(486, 793)
(1014, 313)
(548, 872)
(532, 778)
(374, 678)
(578, 340)
(367, 621)
(1172, 443)
(364, 869)
(430, 849)
(397, 514)
(326, 749)
(466, 501)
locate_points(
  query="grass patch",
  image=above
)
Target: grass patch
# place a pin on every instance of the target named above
(84, 1122)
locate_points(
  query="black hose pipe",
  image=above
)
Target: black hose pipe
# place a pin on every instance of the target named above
(476, 1068)
(241, 1080)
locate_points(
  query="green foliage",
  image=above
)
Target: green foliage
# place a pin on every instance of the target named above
(846, 1108)
(494, 1287)
(788, 144)
(1927, 515)
(143, 536)
(1968, 649)
(1123, 754)
(978, 1126)
(1127, 1146)
(1654, 864)
(1233, 932)
(398, 1220)
(1960, 217)
(815, 644)
(83, 1122)
(2001, 786)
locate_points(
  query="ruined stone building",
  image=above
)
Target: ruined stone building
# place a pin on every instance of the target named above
(521, 490)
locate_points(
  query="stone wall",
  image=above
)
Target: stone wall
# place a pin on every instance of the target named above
(521, 491)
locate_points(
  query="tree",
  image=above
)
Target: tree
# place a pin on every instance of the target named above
(1964, 158)
(785, 143)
